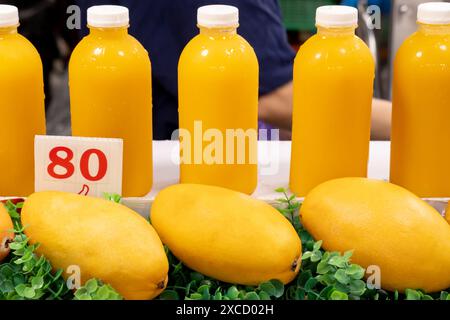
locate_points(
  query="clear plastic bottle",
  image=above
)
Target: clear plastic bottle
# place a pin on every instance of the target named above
(421, 106)
(22, 110)
(333, 87)
(111, 93)
(218, 90)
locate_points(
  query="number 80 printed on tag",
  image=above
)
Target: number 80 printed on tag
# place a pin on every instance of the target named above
(86, 166)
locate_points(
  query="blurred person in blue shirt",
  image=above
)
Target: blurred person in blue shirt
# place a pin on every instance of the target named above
(164, 27)
(385, 5)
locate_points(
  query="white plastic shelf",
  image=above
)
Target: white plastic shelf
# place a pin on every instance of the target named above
(271, 155)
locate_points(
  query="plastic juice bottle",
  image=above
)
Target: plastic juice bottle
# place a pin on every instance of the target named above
(22, 111)
(111, 93)
(421, 106)
(333, 87)
(218, 101)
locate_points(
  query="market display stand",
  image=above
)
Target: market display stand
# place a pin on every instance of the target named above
(274, 167)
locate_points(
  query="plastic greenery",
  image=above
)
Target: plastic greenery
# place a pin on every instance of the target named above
(96, 290)
(113, 197)
(323, 275)
(27, 276)
(186, 284)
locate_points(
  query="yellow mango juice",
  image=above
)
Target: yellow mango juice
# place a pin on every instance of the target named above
(111, 93)
(22, 110)
(421, 106)
(218, 100)
(333, 87)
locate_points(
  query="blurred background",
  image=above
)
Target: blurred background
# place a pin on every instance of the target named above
(43, 22)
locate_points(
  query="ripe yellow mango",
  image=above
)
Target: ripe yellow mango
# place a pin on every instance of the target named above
(227, 235)
(6, 226)
(386, 226)
(105, 240)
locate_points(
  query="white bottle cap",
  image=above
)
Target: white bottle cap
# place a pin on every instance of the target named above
(216, 16)
(108, 17)
(336, 16)
(9, 16)
(434, 13)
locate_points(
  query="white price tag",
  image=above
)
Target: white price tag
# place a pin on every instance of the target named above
(87, 166)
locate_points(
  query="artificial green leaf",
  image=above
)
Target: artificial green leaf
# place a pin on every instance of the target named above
(316, 256)
(279, 288)
(310, 284)
(101, 294)
(355, 272)
(318, 245)
(37, 283)
(348, 255)
(7, 287)
(233, 293)
(345, 288)
(342, 277)
(169, 295)
(264, 296)
(80, 292)
(6, 271)
(357, 287)
(17, 245)
(29, 293)
(337, 295)
(307, 255)
(196, 296)
(218, 296)
(84, 297)
(20, 290)
(204, 291)
(269, 288)
(396, 295)
(326, 279)
(323, 267)
(338, 261)
(326, 292)
(313, 296)
(91, 286)
(253, 296)
(304, 277)
(300, 294)
(197, 276)
(412, 294)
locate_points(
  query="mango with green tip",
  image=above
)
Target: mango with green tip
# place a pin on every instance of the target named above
(227, 235)
(105, 240)
(386, 226)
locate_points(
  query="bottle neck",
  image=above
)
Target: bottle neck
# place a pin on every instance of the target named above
(108, 32)
(328, 32)
(8, 30)
(219, 33)
(433, 29)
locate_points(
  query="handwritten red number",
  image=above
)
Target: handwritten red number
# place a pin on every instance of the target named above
(102, 165)
(57, 161)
